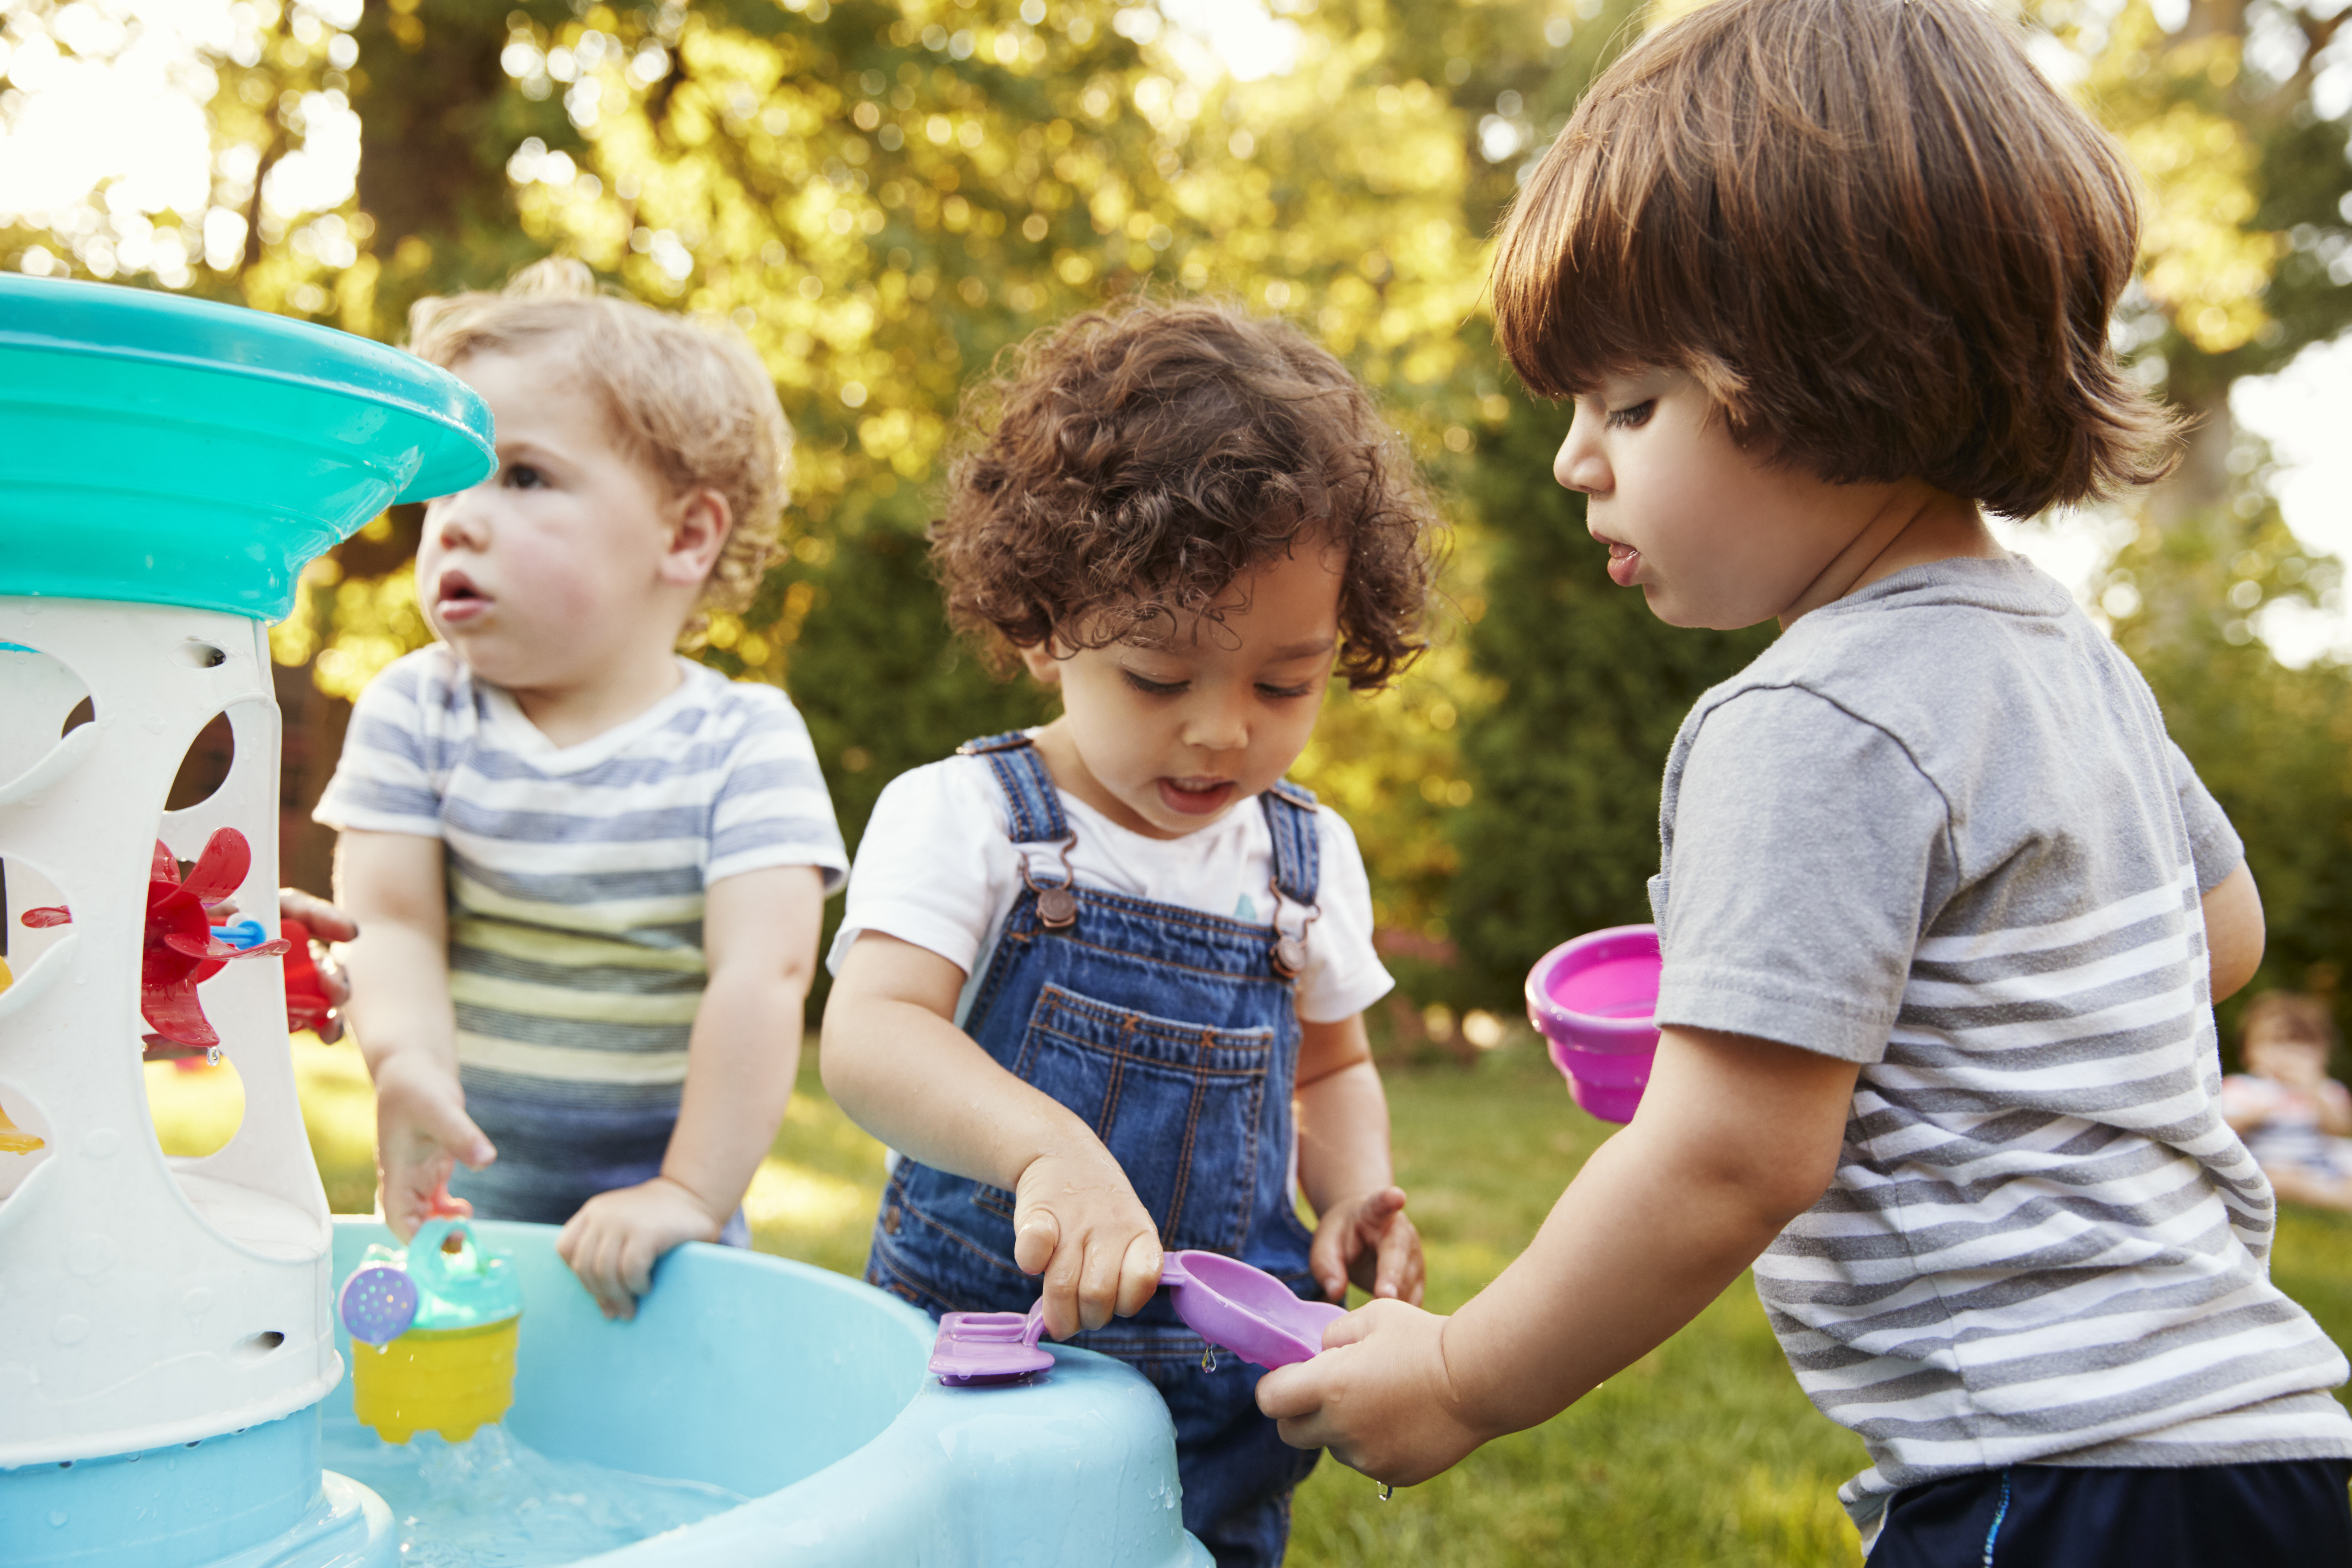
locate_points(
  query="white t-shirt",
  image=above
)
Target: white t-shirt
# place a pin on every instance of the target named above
(938, 867)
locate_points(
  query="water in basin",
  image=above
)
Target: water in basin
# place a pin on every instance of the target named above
(493, 1501)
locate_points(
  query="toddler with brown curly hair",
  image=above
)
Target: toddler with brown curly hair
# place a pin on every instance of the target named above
(1102, 984)
(589, 873)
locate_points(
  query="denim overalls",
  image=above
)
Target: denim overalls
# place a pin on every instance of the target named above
(1171, 1032)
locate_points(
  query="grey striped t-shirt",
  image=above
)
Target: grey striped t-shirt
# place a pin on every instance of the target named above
(576, 877)
(1938, 830)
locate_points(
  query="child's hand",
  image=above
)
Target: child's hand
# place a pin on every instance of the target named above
(421, 1130)
(615, 1239)
(1368, 1238)
(1378, 1397)
(327, 924)
(1077, 1220)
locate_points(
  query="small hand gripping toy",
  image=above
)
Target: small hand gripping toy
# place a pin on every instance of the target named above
(1231, 1304)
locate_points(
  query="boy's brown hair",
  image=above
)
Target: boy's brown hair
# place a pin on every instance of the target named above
(1127, 466)
(695, 407)
(1879, 239)
(2289, 1014)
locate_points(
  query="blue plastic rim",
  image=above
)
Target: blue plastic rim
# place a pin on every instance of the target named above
(174, 451)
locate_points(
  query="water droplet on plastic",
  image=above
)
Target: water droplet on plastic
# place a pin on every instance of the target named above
(1387, 1492)
(1209, 1358)
(56, 1517)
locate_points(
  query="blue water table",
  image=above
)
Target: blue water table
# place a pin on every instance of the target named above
(171, 1362)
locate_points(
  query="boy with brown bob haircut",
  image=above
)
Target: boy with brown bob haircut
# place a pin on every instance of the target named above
(1943, 910)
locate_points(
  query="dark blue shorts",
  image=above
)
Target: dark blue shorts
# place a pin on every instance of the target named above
(2291, 1514)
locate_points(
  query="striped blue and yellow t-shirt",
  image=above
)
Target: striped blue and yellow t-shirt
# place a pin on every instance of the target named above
(576, 877)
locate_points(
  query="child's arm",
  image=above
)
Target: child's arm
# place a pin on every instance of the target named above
(391, 885)
(759, 932)
(1735, 1137)
(2233, 932)
(1360, 1227)
(895, 1062)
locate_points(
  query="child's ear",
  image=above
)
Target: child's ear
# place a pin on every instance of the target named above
(1041, 663)
(698, 522)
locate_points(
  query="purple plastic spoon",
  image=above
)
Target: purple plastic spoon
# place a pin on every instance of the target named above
(990, 1347)
(1243, 1310)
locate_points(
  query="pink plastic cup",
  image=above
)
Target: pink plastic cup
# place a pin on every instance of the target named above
(1592, 999)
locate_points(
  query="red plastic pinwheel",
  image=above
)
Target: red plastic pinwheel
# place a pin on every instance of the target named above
(181, 951)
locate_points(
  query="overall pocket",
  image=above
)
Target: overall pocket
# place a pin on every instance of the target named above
(1177, 1104)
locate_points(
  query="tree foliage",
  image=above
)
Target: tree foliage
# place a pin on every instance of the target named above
(884, 194)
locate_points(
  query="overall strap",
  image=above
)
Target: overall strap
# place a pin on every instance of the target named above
(1290, 819)
(1034, 805)
(1297, 840)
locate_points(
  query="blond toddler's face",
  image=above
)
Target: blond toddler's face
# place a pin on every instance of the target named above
(1165, 739)
(537, 574)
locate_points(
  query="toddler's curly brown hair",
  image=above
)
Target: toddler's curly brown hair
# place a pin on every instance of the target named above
(1124, 467)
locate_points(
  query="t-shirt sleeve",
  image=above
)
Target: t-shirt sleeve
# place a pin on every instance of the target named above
(1344, 973)
(772, 808)
(2212, 841)
(1803, 841)
(383, 780)
(930, 867)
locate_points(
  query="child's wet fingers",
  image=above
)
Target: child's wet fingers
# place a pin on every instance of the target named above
(1138, 1275)
(1098, 1281)
(1037, 1238)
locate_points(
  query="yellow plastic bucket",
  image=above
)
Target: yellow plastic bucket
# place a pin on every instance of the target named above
(450, 1381)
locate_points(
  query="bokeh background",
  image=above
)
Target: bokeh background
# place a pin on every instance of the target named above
(882, 193)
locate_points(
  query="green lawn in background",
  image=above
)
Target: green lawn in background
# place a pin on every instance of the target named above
(1703, 1452)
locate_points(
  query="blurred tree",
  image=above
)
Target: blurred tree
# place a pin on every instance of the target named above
(880, 195)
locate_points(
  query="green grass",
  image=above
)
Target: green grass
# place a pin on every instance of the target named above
(1703, 1452)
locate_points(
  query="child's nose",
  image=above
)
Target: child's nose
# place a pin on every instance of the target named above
(1580, 466)
(1217, 722)
(458, 523)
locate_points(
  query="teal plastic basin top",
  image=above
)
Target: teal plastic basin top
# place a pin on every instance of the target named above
(806, 1392)
(174, 451)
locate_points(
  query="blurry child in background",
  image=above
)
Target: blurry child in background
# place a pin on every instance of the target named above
(587, 872)
(2296, 1119)
(1086, 972)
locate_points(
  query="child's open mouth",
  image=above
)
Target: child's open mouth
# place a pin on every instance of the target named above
(455, 600)
(1195, 797)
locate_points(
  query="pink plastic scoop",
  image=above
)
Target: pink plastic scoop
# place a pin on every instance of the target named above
(991, 1347)
(1243, 1310)
(1227, 1302)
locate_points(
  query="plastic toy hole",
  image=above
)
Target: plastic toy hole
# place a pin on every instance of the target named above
(199, 655)
(196, 1109)
(254, 1347)
(206, 767)
(41, 702)
(453, 1244)
(23, 888)
(25, 1142)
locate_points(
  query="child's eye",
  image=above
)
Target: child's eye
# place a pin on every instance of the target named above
(1153, 688)
(1634, 416)
(1302, 690)
(523, 477)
